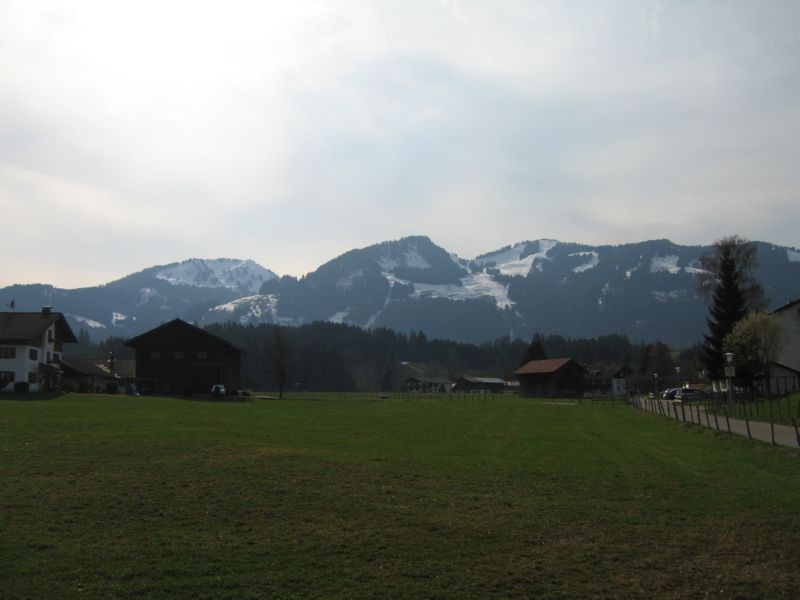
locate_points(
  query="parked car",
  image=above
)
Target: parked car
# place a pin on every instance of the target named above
(669, 394)
(687, 394)
(218, 390)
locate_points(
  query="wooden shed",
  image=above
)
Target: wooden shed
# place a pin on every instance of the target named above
(179, 358)
(551, 378)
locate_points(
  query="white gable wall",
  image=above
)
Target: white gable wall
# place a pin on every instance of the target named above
(789, 318)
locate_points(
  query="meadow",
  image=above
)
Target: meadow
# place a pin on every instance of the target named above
(363, 496)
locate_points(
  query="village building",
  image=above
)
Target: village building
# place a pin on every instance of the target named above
(552, 378)
(479, 385)
(788, 317)
(179, 358)
(605, 380)
(31, 345)
(427, 385)
(87, 375)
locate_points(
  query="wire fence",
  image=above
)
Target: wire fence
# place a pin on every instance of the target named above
(773, 420)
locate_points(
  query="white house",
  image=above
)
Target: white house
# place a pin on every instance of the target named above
(30, 348)
(788, 316)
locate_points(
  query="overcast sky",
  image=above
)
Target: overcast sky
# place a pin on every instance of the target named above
(142, 133)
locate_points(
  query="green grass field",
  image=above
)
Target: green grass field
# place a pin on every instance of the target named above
(113, 496)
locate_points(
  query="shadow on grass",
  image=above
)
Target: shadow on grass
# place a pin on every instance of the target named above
(214, 399)
(31, 396)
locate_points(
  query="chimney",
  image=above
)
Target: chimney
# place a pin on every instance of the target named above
(46, 310)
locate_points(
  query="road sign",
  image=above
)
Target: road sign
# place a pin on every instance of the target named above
(730, 371)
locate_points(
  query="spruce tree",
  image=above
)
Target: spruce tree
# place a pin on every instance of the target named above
(728, 306)
(535, 350)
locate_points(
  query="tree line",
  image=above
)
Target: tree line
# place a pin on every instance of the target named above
(324, 356)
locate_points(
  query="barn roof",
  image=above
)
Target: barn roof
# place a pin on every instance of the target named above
(540, 367)
(179, 324)
(23, 327)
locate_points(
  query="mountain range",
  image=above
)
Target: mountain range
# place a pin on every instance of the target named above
(644, 290)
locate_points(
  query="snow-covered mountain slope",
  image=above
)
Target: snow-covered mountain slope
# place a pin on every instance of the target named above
(241, 276)
(644, 290)
(137, 302)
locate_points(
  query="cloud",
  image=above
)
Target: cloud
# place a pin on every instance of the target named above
(287, 132)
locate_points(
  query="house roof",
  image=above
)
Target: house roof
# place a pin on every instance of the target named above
(24, 327)
(782, 366)
(433, 380)
(787, 306)
(179, 324)
(540, 367)
(86, 366)
(494, 380)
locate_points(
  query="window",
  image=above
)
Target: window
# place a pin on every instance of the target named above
(56, 357)
(33, 377)
(49, 358)
(50, 335)
(155, 354)
(33, 354)
(202, 355)
(8, 353)
(177, 354)
(6, 376)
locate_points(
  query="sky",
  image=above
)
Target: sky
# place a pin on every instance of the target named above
(141, 133)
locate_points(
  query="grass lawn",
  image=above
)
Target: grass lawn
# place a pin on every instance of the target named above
(112, 496)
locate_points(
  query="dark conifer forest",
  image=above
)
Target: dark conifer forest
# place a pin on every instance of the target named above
(325, 356)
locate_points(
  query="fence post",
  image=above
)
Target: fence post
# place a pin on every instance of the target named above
(771, 422)
(796, 432)
(683, 412)
(727, 419)
(747, 422)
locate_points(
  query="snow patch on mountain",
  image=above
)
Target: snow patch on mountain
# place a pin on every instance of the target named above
(665, 264)
(509, 262)
(244, 276)
(119, 318)
(147, 294)
(87, 321)
(673, 296)
(250, 309)
(694, 268)
(339, 317)
(793, 255)
(411, 259)
(346, 282)
(594, 260)
(476, 285)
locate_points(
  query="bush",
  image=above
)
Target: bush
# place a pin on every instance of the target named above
(112, 387)
(21, 387)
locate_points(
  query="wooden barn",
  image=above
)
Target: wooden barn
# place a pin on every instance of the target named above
(179, 358)
(551, 378)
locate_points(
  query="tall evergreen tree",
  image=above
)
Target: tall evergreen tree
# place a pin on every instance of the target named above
(734, 292)
(535, 350)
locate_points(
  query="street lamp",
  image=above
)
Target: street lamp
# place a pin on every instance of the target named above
(655, 385)
(677, 376)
